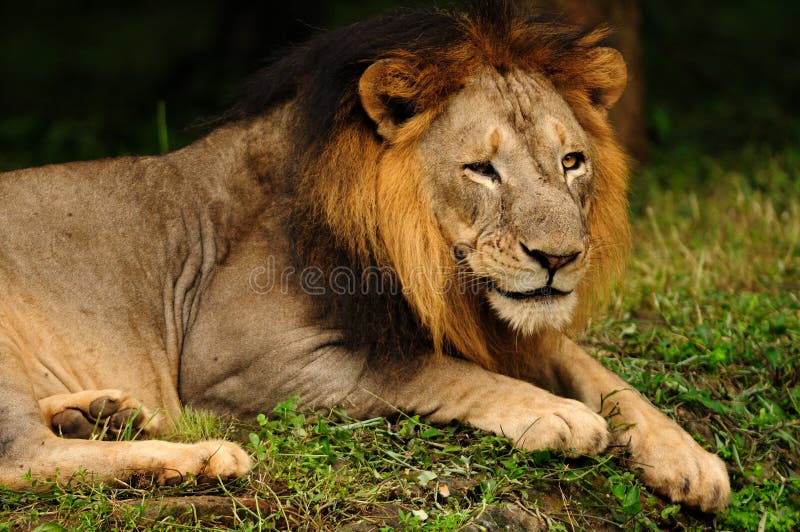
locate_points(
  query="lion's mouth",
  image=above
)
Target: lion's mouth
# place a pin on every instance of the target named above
(545, 292)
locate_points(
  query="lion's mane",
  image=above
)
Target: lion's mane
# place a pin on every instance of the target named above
(361, 205)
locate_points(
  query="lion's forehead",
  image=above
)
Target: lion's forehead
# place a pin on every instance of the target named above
(526, 103)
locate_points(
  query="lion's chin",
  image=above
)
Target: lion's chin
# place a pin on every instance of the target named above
(529, 316)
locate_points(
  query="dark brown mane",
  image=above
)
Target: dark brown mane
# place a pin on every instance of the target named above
(339, 217)
(321, 76)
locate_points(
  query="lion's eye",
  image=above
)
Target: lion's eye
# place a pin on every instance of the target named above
(572, 161)
(484, 169)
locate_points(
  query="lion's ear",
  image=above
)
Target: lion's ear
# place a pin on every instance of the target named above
(387, 90)
(606, 77)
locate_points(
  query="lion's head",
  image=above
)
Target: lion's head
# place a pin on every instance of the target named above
(508, 173)
(471, 155)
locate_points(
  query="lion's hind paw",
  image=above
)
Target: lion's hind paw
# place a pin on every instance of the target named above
(102, 414)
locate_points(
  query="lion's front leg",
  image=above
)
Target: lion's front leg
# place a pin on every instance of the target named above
(671, 462)
(445, 388)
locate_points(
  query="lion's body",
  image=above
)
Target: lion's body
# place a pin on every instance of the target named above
(339, 243)
(128, 287)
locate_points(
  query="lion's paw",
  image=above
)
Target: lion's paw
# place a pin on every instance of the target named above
(208, 460)
(673, 464)
(566, 426)
(105, 413)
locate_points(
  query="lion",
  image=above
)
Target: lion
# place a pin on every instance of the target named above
(415, 211)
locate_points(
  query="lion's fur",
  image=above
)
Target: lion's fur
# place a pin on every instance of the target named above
(342, 163)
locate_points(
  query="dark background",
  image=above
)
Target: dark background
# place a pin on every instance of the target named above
(84, 80)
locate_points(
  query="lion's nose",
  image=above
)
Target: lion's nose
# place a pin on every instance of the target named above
(549, 262)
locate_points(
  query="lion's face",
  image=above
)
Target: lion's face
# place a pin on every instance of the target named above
(509, 174)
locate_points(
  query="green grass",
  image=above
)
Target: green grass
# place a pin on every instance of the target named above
(706, 323)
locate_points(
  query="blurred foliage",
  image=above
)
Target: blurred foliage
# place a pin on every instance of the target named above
(89, 79)
(722, 74)
(85, 80)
